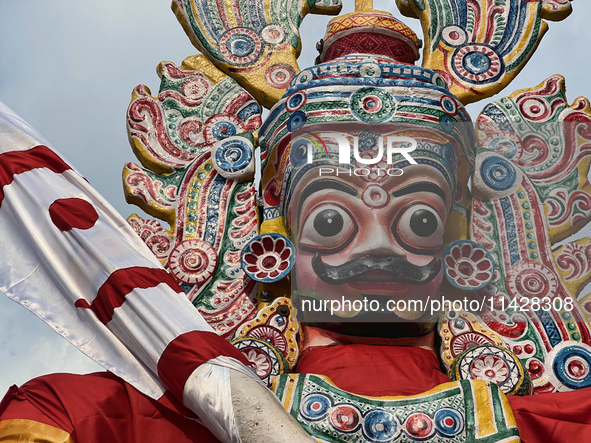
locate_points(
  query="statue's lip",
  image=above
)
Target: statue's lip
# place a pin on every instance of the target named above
(381, 281)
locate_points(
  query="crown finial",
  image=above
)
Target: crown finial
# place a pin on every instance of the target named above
(363, 5)
(370, 32)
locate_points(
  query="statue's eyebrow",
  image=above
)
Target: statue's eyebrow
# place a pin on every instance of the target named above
(421, 187)
(323, 184)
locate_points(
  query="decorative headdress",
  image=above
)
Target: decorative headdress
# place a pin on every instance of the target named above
(377, 92)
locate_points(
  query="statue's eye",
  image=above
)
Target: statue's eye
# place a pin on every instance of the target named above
(419, 229)
(327, 228)
(328, 222)
(424, 223)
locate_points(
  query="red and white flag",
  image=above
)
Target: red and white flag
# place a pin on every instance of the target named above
(71, 259)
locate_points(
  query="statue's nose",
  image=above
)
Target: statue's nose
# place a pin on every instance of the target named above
(378, 242)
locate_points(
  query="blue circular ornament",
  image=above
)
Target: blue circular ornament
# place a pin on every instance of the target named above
(296, 121)
(476, 63)
(298, 155)
(380, 426)
(315, 406)
(233, 155)
(449, 154)
(448, 422)
(571, 366)
(446, 123)
(240, 45)
(504, 146)
(498, 173)
(222, 130)
(449, 105)
(295, 101)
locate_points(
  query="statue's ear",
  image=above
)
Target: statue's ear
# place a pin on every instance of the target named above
(479, 47)
(256, 42)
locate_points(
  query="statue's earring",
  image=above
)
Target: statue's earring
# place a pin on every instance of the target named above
(467, 265)
(268, 258)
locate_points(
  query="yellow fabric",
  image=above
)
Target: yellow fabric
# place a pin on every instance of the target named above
(29, 431)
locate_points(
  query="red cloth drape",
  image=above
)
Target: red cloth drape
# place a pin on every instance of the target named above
(99, 408)
(562, 417)
(375, 370)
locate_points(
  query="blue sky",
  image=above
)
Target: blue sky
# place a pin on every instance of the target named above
(68, 67)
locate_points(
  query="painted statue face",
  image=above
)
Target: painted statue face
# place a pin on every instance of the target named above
(369, 238)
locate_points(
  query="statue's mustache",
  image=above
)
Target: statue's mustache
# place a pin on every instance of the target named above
(400, 269)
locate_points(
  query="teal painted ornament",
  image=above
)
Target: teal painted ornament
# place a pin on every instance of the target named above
(372, 105)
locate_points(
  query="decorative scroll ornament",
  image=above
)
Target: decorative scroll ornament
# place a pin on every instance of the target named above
(531, 192)
(197, 106)
(480, 46)
(255, 41)
(276, 325)
(197, 149)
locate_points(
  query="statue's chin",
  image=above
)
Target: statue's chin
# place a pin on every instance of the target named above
(372, 324)
(377, 330)
(379, 323)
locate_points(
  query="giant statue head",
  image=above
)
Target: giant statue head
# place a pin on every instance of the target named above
(365, 165)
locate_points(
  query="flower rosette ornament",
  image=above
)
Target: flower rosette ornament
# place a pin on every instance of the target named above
(569, 364)
(259, 362)
(489, 368)
(268, 258)
(265, 359)
(193, 262)
(492, 364)
(467, 265)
